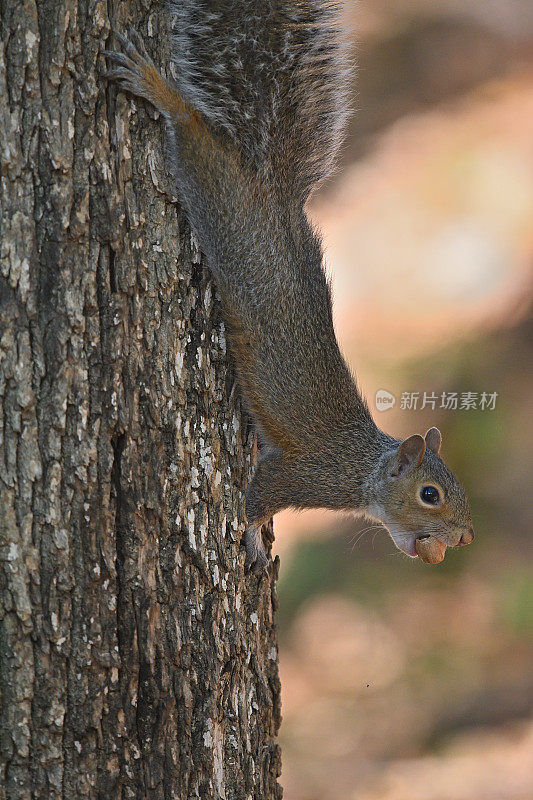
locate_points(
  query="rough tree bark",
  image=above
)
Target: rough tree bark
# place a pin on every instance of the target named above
(136, 658)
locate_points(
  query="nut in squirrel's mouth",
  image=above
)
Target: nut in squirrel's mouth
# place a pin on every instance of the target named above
(430, 549)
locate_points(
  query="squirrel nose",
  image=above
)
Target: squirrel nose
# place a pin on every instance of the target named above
(467, 537)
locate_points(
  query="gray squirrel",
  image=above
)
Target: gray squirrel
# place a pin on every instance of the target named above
(254, 120)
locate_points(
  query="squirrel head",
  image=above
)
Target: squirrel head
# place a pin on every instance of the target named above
(416, 495)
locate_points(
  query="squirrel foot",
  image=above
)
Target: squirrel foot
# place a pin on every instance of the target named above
(135, 72)
(133, 65)
(256, 557)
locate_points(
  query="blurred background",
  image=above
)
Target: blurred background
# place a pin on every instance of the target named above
(403, 681)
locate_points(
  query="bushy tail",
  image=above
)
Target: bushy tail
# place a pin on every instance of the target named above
(273, 75)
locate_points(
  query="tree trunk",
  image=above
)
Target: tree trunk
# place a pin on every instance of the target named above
(136, 658)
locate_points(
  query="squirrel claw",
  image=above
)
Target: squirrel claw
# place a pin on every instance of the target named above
(132, 65)
(134, 46)
(256, 558)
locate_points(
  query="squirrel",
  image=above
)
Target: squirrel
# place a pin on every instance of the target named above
(254, 117)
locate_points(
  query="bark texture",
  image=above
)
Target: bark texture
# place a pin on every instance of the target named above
(136, 658)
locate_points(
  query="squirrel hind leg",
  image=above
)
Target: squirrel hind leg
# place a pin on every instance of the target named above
(135, 72)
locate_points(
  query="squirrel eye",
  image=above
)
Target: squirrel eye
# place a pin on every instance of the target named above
(430, 495)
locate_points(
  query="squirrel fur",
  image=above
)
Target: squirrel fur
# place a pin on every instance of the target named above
(254, 118)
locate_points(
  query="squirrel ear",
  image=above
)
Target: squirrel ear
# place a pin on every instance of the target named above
(409, 454)
(433, 440)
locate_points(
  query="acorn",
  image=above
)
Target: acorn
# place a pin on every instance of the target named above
(430, 550)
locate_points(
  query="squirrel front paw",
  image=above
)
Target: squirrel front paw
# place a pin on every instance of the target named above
(256, 557)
